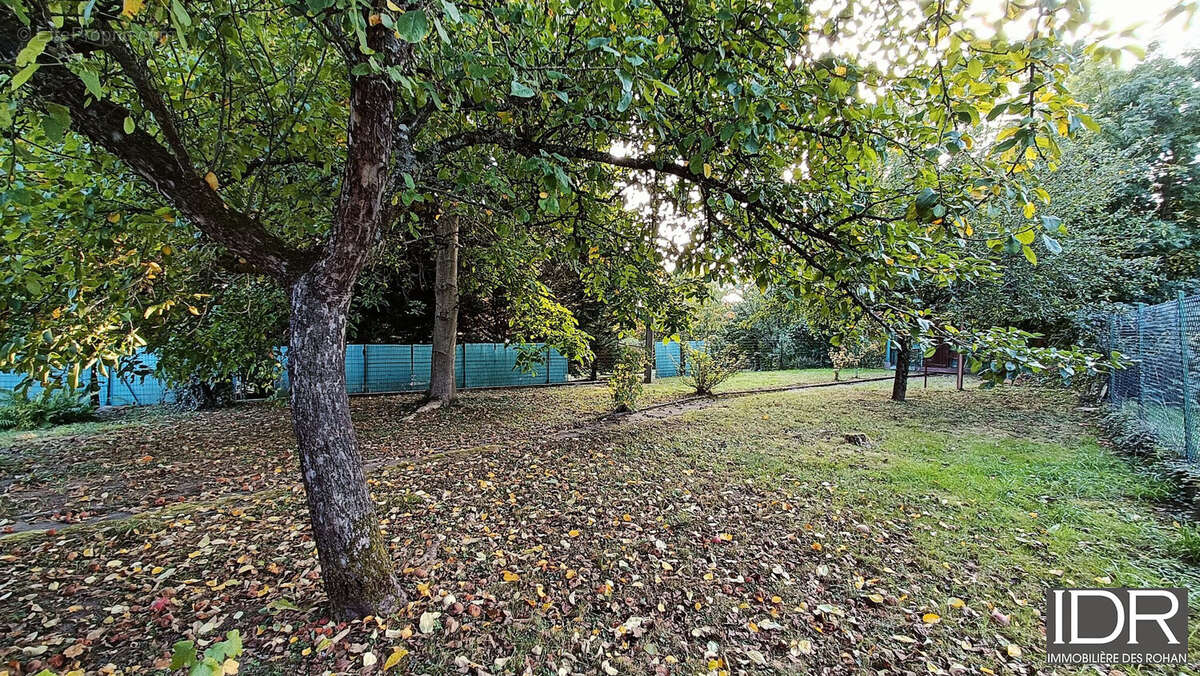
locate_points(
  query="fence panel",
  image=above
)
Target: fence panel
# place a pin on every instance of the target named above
(1163, 341)
(369, 369)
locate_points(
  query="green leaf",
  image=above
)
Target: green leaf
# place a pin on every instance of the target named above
(1052, 244)
(129, 125)
(180, 13)
(33, 49)
(1088, 122)
(451, 11)
(626, 99)
(521, 89)
(183, 655)
(23, 76)
(55, 121)
(1025, 236)
(413, 25)
(92, 82)
(1029, 255)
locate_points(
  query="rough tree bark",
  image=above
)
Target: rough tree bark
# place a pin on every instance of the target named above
(900, 380)
(442, 388)
(356, 565)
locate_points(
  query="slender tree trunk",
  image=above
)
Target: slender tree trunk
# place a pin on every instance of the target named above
(445, 313)
(648, 375)
(900, 381)
(355, 563)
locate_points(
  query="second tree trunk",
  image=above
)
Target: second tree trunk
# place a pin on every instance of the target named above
(900, 381)
(442, 386)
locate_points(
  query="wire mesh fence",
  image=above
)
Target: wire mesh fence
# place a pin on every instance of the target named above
(1160, 387)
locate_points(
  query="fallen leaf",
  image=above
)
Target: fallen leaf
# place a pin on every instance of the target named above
(428, 622)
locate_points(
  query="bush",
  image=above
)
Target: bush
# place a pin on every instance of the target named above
(705, 370)
(851, 353)
(51, 408)
(626, 381)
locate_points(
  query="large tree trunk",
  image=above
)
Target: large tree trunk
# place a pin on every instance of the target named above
(903, 357)
(445, 311)
(648, 374)
(355, 563)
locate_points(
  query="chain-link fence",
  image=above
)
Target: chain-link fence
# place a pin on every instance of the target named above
(1161, 387)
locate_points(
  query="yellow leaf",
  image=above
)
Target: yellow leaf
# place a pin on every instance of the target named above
(1030, 210)
(840, 70)
(131, 7)
(571, 573)
(192, 309)
(931, 618)
(393, 6)
(543, 194)
(1014, 650)
(229, 667)
(753, 627)
(707, 170)
(876, 598)
(211, 179)
(573, 533)
(114, 217)
(510, 577)
(956, 602)
(397, 655)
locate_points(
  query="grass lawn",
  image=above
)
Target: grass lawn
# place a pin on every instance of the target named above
(748, 535)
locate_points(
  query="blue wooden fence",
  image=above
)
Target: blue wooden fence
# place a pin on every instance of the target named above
(382, 368)
(369, 369)
(668, 357)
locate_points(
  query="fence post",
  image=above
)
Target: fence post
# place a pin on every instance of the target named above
(364, 379)
(1189, 443)
(1141, 371)
(463, 346)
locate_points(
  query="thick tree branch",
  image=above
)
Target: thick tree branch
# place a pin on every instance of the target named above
(103, 123)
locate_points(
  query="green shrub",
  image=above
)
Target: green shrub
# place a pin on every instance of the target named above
(626, 381)
(51, 408)
(705, 370)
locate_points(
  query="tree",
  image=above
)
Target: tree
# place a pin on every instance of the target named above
(445, 313)
(776, 151)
